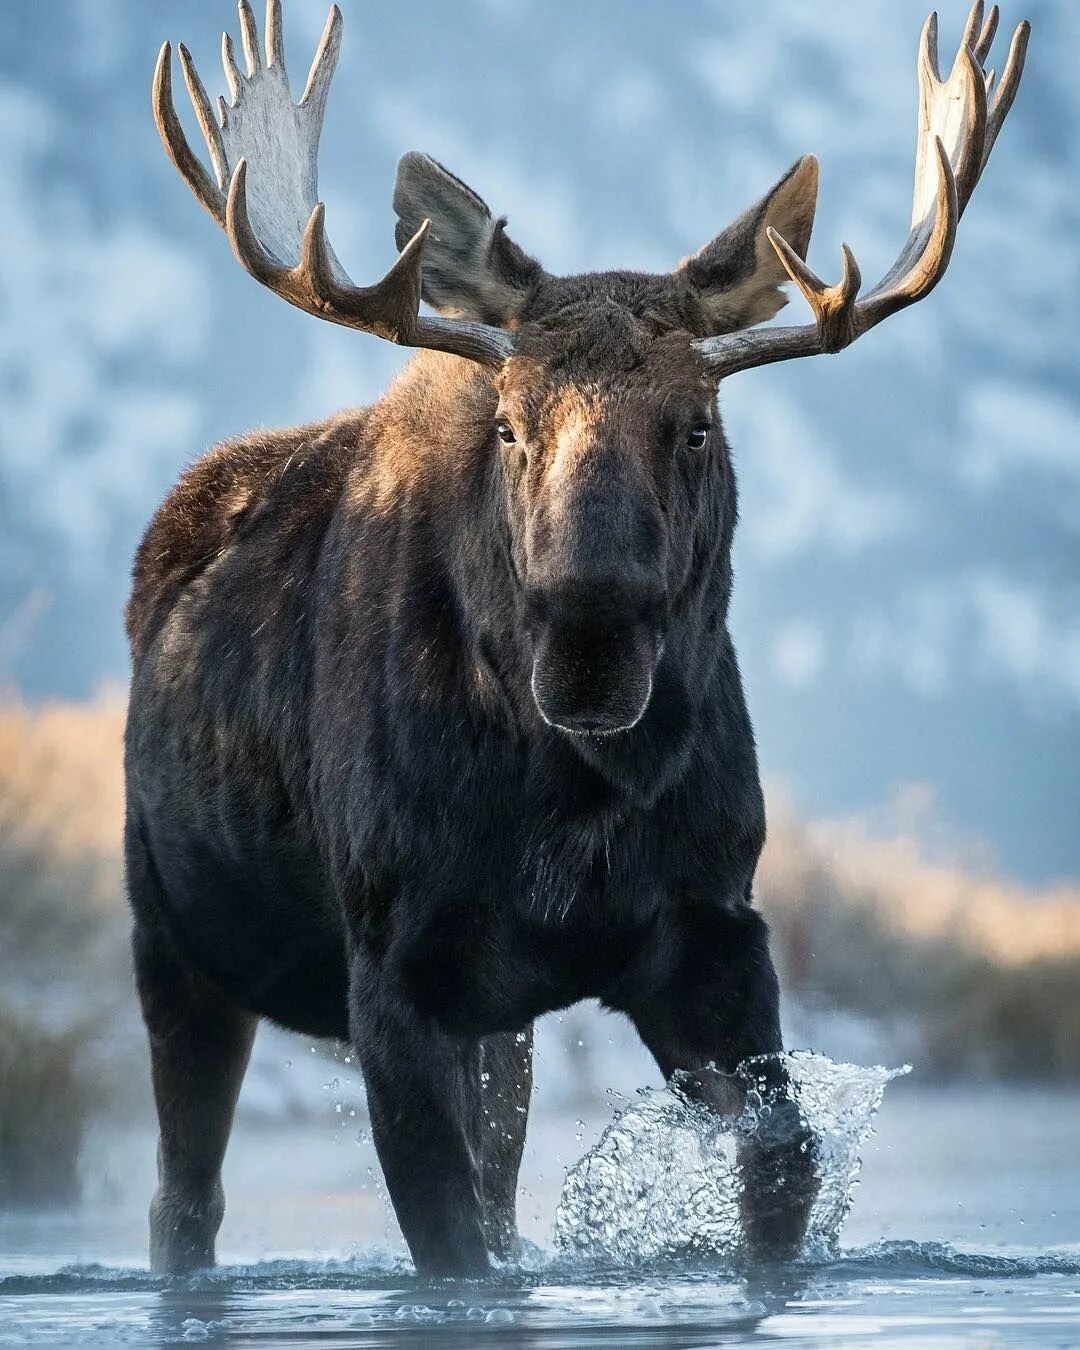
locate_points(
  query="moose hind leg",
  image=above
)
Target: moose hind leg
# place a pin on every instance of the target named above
(199, 1049)
(503, 1098)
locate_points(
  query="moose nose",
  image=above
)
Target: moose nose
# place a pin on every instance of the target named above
(593, 681)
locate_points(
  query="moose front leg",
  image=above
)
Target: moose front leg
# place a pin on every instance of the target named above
(713, 1002)
(422, 1100)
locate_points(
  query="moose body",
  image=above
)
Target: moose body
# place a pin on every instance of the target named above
(347, 815)
(436, 724)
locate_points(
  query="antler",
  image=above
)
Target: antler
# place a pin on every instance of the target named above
(264, 193)
(956, 132)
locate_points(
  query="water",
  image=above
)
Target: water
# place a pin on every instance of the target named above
(663, 1179)
(965, 1230)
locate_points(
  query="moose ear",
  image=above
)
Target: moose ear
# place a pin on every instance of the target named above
(738, 276)
(471, 269)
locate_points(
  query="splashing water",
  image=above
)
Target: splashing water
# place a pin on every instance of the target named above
(663, 1182)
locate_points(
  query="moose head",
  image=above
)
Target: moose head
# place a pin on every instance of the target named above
(599, 390)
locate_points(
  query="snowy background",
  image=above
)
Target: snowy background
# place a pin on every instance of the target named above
(908, 596)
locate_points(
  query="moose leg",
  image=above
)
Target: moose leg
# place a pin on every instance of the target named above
(503, 1100)
(714, 1001)
(199, 1048)
(422, 1089)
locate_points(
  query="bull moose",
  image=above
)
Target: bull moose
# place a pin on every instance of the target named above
(435, 720)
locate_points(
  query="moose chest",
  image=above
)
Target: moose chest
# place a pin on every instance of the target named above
(516, 902)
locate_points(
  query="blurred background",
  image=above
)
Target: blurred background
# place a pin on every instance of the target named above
(908, 596)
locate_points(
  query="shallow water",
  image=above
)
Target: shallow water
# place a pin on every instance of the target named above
(965, 1231)
(893, 1292)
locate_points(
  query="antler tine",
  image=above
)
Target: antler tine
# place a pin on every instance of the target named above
(232, 70)
(958, 130)
(973, 27)
(315, 256)
(985, 41)
(201, 103)
(249, 37)
(311, 284)
(323, 65)
(387, 309)
(390, 307)
(180, 152)
(833, 306)
(973, 136)
(275, 36)
(928, 49)
(1007, 86)
(246, 244)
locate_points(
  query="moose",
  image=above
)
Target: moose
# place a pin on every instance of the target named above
(435, 720)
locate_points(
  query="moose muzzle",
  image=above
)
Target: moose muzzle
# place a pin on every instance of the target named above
(592, 672)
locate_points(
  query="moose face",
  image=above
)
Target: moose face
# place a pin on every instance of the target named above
(606, 425)
(605, 430)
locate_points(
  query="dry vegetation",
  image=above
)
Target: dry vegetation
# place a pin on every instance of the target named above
(62, 937)
(47, 1095)
(61, 808)
(973, 975)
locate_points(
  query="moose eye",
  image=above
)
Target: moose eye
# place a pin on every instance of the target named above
(505, 432)
(698, 435)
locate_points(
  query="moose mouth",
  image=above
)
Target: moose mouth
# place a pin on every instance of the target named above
(594, 682)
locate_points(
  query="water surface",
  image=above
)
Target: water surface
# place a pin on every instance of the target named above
(965, 1230)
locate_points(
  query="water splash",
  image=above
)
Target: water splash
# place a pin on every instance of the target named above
(662, 1182)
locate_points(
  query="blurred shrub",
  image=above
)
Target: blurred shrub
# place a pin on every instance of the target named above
(61, 814)
(1014, 1022)
(973, 975)
(62, 936)
(47, 1097)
